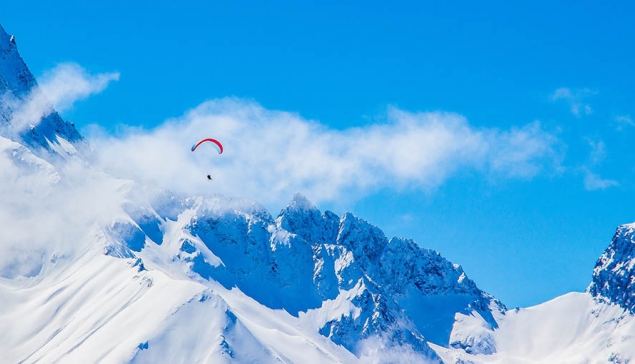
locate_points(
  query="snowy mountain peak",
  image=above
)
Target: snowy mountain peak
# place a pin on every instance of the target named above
(614, 273)
(7, 41)
(14, 74)
(26, 116)
(303, 219)
(300, 203)
(396, 280)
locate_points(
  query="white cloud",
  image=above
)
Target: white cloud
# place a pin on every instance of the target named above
(53, 208)
(593, 181)
(624, 120)
(522, 152)
(69, 82)
(575, 99)
(269, 155)
(598, 151)
(58, 90)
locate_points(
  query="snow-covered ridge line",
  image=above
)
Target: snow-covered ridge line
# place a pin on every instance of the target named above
(315, 259)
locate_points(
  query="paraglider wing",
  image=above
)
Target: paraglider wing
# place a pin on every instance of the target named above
(214, 142)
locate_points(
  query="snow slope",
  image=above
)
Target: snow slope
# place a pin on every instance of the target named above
(597, 326)
(573, 328)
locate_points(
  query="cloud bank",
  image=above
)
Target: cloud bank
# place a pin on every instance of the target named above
(53, 208)
(37, 203)
(269, 155)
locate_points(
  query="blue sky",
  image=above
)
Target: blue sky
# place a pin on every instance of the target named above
(558, 74)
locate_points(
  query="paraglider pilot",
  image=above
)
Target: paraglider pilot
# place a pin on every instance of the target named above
(215, 143)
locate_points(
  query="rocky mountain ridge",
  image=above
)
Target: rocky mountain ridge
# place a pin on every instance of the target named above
(304, 259)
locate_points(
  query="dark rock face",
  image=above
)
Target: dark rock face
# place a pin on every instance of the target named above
(614, 274)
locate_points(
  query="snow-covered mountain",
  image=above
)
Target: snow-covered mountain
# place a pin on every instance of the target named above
(95, 268)
(614, 273)
(596, 326)
(35, 123)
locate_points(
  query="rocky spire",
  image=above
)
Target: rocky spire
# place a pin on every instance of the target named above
(14, 74)
(614, 273)
(16, 85)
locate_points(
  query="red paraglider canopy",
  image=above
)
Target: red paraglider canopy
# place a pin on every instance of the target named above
(215, 142)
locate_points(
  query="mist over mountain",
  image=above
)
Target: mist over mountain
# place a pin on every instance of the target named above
(32, 116)
(95, 267)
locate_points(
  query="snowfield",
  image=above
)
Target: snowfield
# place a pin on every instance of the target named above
(573, 328)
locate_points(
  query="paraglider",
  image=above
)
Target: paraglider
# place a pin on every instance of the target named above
(215, 143)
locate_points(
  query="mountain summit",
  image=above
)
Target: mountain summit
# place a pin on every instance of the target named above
(614, 273)
(24, 112)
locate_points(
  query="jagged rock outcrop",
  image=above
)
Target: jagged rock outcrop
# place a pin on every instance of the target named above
(614, 273)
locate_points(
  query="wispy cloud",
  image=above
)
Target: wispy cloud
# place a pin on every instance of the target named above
(593, 181)
(522, 151)
(58, 90)
(598, 151)
(597, 155)
(69, 82)
(624, 120)
(575, 99)
(269, 155)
